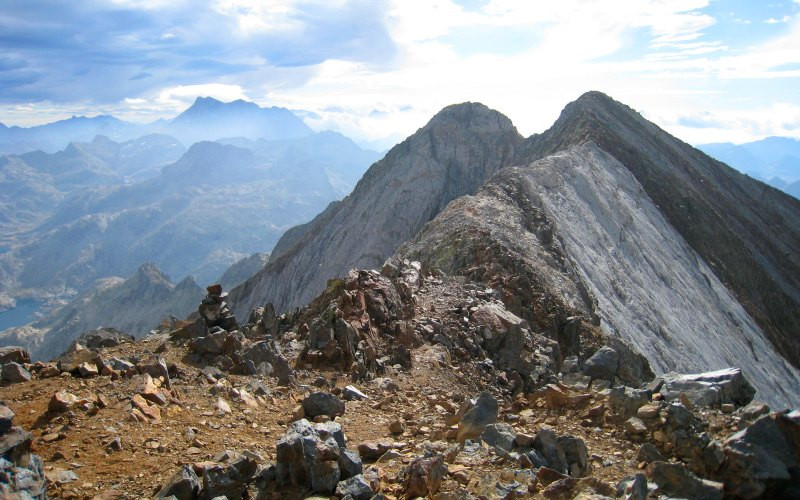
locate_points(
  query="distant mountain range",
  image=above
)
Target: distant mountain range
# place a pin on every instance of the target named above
(99, 208)
(774, 160)
(206, 120)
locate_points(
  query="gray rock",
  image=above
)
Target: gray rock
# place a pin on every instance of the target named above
(6, 418)
(674, 480)
(576, 455)
(322, 403)
(649, 453)
(308, 456)
(70, 361)
(753, 410)
(603, 364)
(546, 443)
(710, 388)
(229, 479)
(760, 458)
(570, 365)
(262, 352)
(121, 365)
(349, 463)
(633, 488)
(156, 367)
(15, 373)
(356, 487)
(14, 354)
(423, 476)
(475, 420)
(499, 436)
(103, 337)
(577, 381)
(625, 401)
(183, 485)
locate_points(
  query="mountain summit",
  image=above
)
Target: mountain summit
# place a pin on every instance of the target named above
(450, 156)
(209, 119)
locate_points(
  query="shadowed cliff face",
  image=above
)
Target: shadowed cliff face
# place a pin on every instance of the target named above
(449, 157)
(747, 232)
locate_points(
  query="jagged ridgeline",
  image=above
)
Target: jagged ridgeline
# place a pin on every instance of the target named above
(604, 216)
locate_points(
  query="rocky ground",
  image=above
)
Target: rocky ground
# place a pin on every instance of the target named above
(390, 385)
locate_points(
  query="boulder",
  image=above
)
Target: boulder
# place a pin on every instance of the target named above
(483, 412)
(633, 488)
(674, 480)
(355, 487)
(260, 353)
(229, 477)
(322, 403)
(62, 401)
(156, 367)
(309, 456)
(6, 418)
(576, 455)
(15, 373)
(499, 436)
(603, 364)
(710, 388)
(71, 360)
(21, 472)
(546, 443)
(103, 337)
(648, 452)
(759, 460)
(14, 354)
(183, 485)
(423, 476)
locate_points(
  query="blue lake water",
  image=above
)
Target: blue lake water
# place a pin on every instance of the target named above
(22, 314)
(4, 249)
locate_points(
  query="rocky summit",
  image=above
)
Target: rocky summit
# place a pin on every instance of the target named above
(597, 311)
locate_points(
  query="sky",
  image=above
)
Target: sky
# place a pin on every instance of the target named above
(375, 70)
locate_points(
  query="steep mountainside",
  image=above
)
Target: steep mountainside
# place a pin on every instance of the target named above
(747, 232)
(242, 269)
(135, 305)
(449, 157)
(579, 221)
(673, 250)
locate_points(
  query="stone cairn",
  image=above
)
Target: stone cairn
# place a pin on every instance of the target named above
(214, 310)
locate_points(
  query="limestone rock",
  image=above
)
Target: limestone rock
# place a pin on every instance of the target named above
(183, 485)
(475, 420)
(423, 476)
(14, 354)
(603, 364)
(710, 388)
(355, 487)
(322, 403)
(674, 480)
(15, 373)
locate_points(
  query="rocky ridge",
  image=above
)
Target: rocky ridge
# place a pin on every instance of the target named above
(583, 235)
(397, 384)
(711, 219)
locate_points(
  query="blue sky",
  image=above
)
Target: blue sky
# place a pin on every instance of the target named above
(705, 70)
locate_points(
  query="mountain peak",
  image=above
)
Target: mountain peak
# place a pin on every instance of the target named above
(472, 115)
